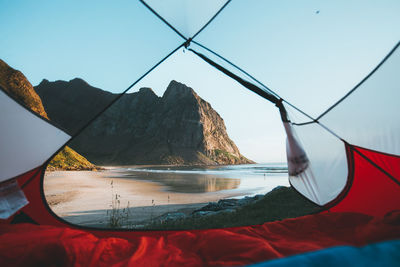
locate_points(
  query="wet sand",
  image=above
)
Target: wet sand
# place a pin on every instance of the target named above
(85, 197)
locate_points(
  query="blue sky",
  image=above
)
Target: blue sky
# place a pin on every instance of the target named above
(310, 58)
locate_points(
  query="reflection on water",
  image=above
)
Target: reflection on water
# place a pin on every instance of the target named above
(186, 183)
(85, 197)
(254, 179)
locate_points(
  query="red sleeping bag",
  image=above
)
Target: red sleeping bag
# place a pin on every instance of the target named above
(33, 245)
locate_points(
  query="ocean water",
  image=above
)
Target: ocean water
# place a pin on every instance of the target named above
(85, 197)
(242, 180)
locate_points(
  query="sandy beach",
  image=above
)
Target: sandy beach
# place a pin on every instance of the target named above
(85, 197)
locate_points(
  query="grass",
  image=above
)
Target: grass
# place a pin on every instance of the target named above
(68, 159)
(281, 203)
(224, 155)
(219, 152)
(117, 217)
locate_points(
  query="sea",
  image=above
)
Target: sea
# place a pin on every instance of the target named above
(241, 180)
(85, 197)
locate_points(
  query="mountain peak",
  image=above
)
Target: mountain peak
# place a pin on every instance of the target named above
(44, 81)
(75, 82)
(78, 81)
(178, 90)
(142, 128)
(146, 90)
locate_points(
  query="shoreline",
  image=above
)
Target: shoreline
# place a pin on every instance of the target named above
(85, 197)
(102, 168)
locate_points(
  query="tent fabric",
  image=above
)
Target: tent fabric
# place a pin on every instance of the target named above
(353, 121)
(371, 190)
(27, 141)
(367, 116)
(325, 178)
(353, 169)
(327, 174)
(325, 48)
(64, 246)
(296, 157)
(379, 254)
(186, 16)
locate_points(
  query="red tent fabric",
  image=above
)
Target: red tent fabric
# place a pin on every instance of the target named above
(57, 243)
(363, 204)
(372, 188)
(27, 244)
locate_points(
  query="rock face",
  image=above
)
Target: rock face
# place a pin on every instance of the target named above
(17, 85)
(71, 104)
(179, 128)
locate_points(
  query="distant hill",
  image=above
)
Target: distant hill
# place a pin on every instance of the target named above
(179, 128)
(17, 85)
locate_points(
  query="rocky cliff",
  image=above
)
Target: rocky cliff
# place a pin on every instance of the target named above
(178, 128)
(17, 85)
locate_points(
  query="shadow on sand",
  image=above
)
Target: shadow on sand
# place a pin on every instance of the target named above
(137, 217)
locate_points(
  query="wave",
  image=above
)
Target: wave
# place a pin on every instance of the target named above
(257, 169)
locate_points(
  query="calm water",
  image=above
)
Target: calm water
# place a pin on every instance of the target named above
(246, 180)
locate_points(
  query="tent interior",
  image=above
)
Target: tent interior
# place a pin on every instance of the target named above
(312, 84)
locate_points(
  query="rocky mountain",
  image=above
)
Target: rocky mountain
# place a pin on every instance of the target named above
(178, 128)
(71, 104)
(17, 86)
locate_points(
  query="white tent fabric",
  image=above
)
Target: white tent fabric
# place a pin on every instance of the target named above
(327, 173)
(358, 123)
(187, 16)
(27, 141)
(296, 157)
(357, 120)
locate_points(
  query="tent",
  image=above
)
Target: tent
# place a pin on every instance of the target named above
(354, 178)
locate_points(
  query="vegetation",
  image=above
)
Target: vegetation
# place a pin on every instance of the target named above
(117, 217)
(223, 153)
(173, 160)
(279, 204)
(220, 155)
(68, 159)
(225, 156)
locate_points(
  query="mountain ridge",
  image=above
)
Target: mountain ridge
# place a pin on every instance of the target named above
(178, 128)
